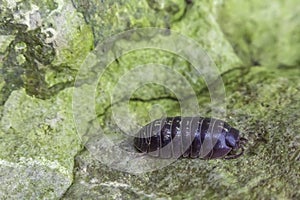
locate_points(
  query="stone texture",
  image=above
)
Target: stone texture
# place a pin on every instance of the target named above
(38, 142)
(262, 101)
(254, 44)
(263, 33)
(42, 43)
(265, 108)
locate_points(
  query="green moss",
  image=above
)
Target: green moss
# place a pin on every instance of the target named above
(200, 24)
(147, 95)
(254, 45)
(264, 105)
(38, 136)
(46, 6)
(46, 150)
(66, 64)
(263, 33)
(111, 17)
(30, 60)
(262, 102)
(20, 68)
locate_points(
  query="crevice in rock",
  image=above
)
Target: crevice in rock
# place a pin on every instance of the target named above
(73, 173)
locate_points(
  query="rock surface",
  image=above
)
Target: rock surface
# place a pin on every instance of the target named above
(43, 51)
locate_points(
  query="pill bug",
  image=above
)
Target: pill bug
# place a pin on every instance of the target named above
(192, 137)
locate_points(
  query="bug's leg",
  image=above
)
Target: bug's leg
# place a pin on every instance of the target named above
(235, 155)
(243, 140)
(208, 157)
(141, 154)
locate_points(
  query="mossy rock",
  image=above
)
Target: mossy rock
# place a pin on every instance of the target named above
(44, 45)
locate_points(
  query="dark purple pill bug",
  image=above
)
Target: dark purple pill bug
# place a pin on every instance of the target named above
(192, 137)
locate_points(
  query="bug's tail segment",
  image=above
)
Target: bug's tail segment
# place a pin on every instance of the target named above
(136, 143)
(141, 144)
(127, 145)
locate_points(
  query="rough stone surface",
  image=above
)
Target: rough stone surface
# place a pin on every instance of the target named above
(262, 101)
(263, 33)
(255, 45)
(38, 142)
(265, 108)
(42, 43)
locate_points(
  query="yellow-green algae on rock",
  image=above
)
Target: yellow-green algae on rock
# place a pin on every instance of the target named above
(254, 44)
(38, 142)
(262, 101)
(262, 32)
(42, 44)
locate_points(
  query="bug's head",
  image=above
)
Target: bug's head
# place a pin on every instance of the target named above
(236, 142)
(233, 138)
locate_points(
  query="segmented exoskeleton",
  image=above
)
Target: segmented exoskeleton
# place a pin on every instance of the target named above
(192, 137)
